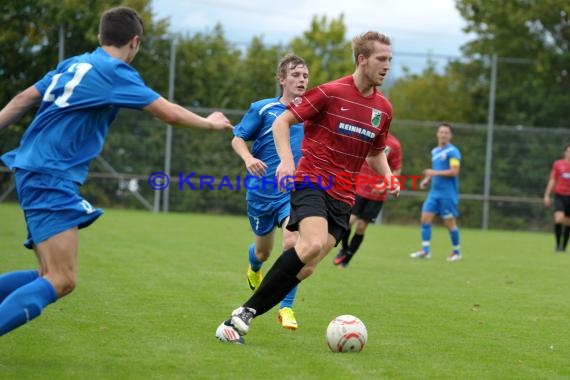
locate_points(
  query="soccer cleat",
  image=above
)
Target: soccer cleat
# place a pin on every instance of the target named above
(420, 255)
(227, 333)
(454, 257)
(254, 278)
(286, 318)
(241, 319)
(340, 257)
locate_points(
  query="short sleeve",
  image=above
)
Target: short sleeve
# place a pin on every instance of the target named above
(250, 125)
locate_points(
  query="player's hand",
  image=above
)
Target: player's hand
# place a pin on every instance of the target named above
(219, 121)
(424, 183)
(547, 201)
(255, 166)
(394, 188)
(285, 174)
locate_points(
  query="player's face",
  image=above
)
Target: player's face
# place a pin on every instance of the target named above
(443, 135)
(296, 82)
(378, 63)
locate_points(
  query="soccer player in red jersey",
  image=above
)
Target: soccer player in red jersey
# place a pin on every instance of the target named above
(371, 193)
(346, 122)
(559, 182)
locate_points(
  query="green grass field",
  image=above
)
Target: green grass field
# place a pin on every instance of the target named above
(153, 287)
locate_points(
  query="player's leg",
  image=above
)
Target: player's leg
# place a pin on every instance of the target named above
(451, 224)
(261, 219)
(429, 209)
(342, 252)
(54, 211)
(566, 234)
(559, 208)
(368, 215)
(309, 213)
(11, 281)
(449, 213)
(258, 253)
(58, 261)
(355, 213)
(286, 315)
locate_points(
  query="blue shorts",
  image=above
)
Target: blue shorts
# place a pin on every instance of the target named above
(51, 205)
(446, 208)
(265, 216)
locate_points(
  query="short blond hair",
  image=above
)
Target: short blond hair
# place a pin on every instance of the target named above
(362, 44)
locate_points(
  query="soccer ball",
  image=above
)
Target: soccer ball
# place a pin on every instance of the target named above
(346, 333)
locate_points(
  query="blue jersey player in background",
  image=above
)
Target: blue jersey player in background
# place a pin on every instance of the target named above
(443, 196)
(267, 207)
(77, 102)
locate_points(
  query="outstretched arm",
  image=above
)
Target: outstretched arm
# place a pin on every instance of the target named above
(18, 106)
(177, 115)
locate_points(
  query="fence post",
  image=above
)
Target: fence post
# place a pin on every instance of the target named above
(489, 151)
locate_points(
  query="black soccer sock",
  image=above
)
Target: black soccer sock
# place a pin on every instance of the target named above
(355, 243)
(566, 235)
(558, 234)
(345, 237)
(277, 283)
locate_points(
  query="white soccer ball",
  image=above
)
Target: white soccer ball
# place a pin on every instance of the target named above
(346, 333)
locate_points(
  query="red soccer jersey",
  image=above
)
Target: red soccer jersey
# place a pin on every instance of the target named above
(368, 180)
(561, 174)
(341, 128)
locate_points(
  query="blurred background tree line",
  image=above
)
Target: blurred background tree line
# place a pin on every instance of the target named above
(213, 73)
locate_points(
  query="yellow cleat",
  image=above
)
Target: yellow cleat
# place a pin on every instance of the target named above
(286, 318)
(254, 278)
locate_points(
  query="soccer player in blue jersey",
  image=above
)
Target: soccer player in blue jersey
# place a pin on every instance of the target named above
(443, 197)
(267, 207)
(77, 102)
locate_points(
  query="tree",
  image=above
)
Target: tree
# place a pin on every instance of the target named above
(325, 49)
(535, 91)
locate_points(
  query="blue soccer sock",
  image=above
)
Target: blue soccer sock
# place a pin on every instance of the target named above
(289, 298)
(253, 260)
(13, 280)
(426, 236)
(454, 235)
(25, 304)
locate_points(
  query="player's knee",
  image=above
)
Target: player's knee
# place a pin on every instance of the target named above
(361, 226)
(63, 283)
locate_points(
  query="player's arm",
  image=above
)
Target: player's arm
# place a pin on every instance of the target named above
(453, 171)
(378, 162)
(253, 165)
(18, 106)
(549, 187)
(177, 115)
(282, 137)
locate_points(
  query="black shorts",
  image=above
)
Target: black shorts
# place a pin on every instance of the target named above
(308, 202)
(562, 203)
(366, 209)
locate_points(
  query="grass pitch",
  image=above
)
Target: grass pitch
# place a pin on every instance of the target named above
(152, 289)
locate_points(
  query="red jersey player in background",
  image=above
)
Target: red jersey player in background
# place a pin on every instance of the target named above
(559, 181)
(370, 197)
(346, 123)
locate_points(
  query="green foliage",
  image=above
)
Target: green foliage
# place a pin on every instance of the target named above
(535, 92)
(325, 49)
(152, 289)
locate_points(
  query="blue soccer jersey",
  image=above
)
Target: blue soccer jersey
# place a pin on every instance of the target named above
(80, 98)
(256, 126)
(444, 187)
